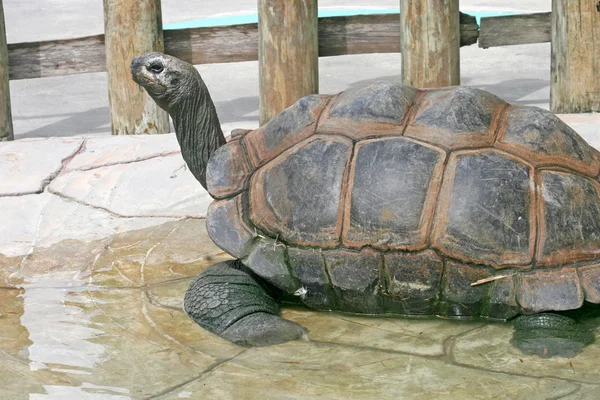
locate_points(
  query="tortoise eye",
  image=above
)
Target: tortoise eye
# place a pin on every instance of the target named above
(157, 68)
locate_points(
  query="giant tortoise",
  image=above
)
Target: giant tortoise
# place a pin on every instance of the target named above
(386, 199)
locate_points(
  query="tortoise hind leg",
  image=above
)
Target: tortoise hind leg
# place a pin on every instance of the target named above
(230, 301)
(549, 334)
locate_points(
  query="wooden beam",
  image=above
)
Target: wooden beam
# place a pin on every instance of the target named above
(288, 54)
(57, 57)
(358, 34)
(6, 127)
(575, 70)
(132, 28)
(214, 45)
(469, 30)
(379, 33)
(430, 42)
(515, 29)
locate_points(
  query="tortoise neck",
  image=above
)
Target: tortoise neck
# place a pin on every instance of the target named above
(197, 128)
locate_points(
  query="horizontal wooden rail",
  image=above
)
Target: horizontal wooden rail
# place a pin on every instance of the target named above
(515, 29)
(358, 34)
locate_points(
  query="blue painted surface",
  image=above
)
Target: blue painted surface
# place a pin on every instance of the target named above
(253, 18)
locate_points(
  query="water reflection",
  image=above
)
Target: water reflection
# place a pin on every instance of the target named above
(86, 391)
(103, 320)
(65, 341)
(61, 332)
(84, 323)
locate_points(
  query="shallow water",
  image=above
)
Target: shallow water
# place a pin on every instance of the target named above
(103, 320)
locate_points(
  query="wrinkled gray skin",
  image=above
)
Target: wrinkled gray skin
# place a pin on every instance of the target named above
(177, 87)
(227, 298)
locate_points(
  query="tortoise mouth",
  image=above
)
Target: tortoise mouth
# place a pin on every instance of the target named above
(150, 83)
(147, 82)
(141, 79)
(140, 75)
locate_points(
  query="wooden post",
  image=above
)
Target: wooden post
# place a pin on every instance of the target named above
(6, 127)
(575, 73)
(132, 28)
(288, 53)
(430, 43)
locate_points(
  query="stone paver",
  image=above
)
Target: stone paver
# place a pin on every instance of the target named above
(27, 166)
(416, 336)
(152, 256)
(308, 371)
(45, 219)
(58, 189)
(131, 189)
(99, 152)
(489, 349)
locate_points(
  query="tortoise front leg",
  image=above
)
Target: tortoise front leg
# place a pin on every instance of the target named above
(230, 301)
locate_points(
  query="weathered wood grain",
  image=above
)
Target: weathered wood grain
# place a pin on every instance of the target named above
(515, 29)
(575, 70)
(132, 28)
(358, 34)
(221, 44)
(6, 128)
(469, 30)
(57, 57)
(288, 54)
(430, 43)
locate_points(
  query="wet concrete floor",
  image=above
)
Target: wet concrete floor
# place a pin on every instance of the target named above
(103, 320)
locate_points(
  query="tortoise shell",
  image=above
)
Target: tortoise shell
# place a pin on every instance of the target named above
(388, 199)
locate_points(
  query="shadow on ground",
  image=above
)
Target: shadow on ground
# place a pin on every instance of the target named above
(97, 120)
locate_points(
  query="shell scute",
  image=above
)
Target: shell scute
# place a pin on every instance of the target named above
(569, 218)
(590, 281)
(392, 191)
(459, 298)
(267, 258)
(541, 137)
(377, 108)
(297, 196)
(227, 227)
(456, 117)
(545, 290)
(412, 282)
(502, 297)
(308, 266)
(286, 129)
(486, 211)
(355, 277)
(228, 171)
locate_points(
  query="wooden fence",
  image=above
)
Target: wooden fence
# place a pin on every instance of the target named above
(571, 27)
(6, 127)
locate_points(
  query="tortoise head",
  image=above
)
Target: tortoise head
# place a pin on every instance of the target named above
(177, 87)
(166, 79)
